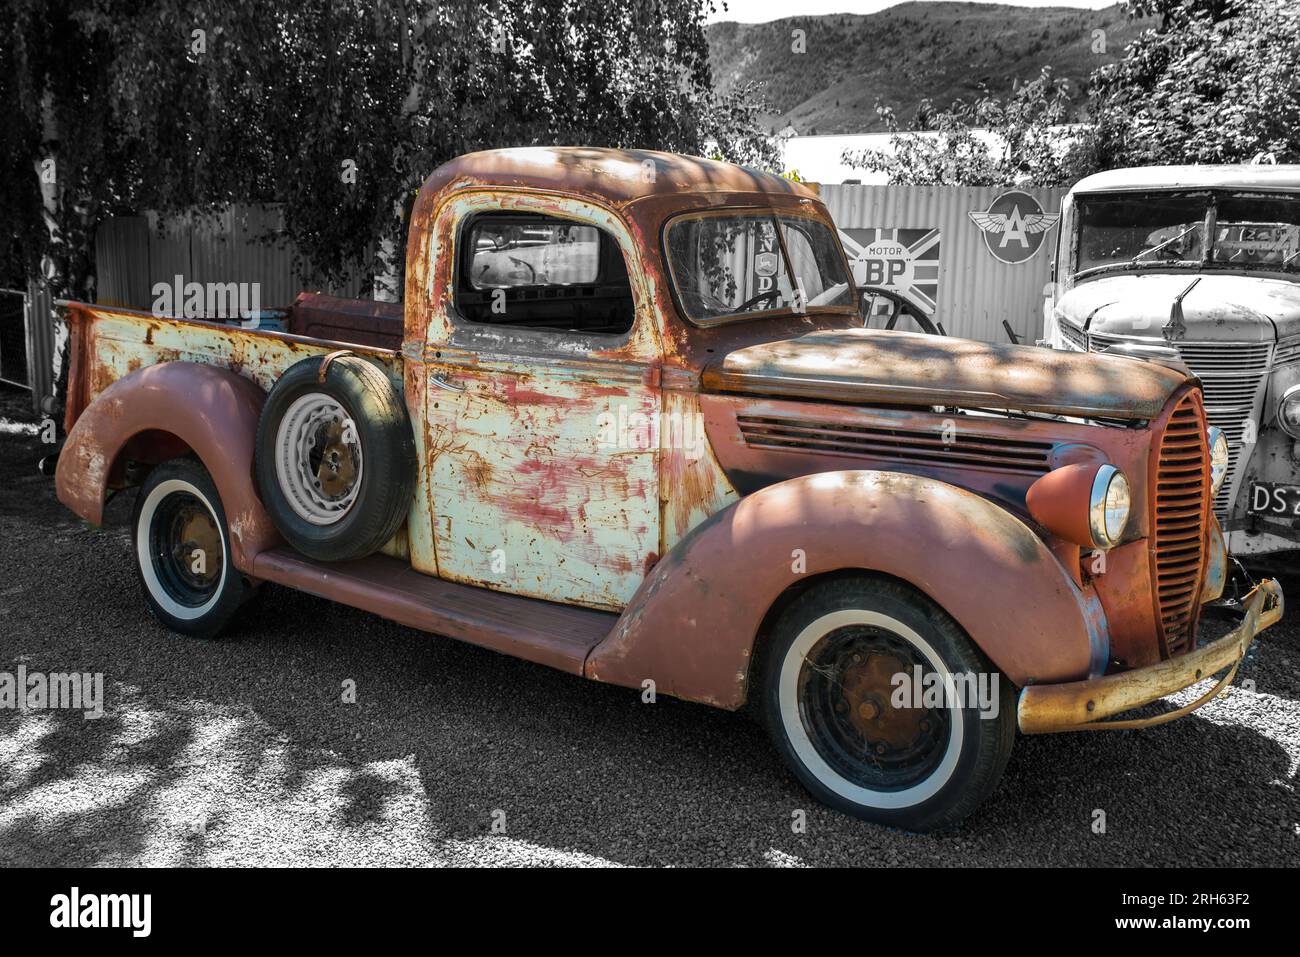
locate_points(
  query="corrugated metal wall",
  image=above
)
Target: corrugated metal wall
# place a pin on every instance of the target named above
(975, 291)
(132, 253)
(41, 338)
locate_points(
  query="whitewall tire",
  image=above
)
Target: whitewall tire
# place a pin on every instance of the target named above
(829, 696)
(182, 550)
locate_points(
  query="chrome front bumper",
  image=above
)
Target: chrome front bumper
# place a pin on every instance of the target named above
(1081, 705)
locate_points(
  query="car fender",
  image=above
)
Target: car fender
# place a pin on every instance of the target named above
(211, 410)
(691, 626)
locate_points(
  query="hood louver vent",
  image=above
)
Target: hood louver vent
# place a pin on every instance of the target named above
(923, 447)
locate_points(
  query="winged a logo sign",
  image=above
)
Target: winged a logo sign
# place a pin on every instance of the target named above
(1014, 226)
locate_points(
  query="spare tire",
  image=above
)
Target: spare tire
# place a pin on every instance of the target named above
(335, 457)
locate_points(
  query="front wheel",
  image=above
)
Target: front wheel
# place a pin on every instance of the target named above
(882, 707)
(182, 551)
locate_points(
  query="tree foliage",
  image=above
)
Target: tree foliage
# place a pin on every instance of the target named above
(985, 142)
(336, 108)
(1218, 82)
(1212, 81)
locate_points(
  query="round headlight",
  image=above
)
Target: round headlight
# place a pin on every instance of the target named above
(1109, 506)
(1288, 412)
(1218, 443)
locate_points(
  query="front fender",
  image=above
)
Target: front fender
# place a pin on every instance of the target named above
(692, 624)
(211, 410)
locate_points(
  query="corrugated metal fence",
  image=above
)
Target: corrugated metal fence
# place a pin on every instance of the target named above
(133, 253)
(923, 240)
(27, 337)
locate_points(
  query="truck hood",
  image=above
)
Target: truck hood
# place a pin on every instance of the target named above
(875, 367)
(1220, 307)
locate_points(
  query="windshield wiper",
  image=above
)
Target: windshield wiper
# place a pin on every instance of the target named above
(1167, 242)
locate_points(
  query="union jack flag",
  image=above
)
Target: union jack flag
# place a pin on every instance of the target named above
(914, 274)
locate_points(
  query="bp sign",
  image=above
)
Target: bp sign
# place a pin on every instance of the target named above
(888, 263)
(1014, 226)
(904, 261)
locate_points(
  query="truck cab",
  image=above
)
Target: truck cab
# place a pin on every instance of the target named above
(634, 428)
(1203, 261)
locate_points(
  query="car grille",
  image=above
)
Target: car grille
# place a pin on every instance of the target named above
(1288, 350)
(1073, 335)
(1180, 491)
(1233, 378)
(932, 447)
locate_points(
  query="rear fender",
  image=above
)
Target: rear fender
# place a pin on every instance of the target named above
(691, 626)
(208, 409)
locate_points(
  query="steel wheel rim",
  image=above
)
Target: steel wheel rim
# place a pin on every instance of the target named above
(318, 458)
(807, 738)
(845, 706)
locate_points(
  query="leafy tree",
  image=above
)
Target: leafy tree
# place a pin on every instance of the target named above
(1174, 13)
(336, 108)
(987, 142)
(1217, 82)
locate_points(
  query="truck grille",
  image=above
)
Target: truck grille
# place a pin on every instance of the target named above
(1232, 377)
(1179, 495)
(907, 446)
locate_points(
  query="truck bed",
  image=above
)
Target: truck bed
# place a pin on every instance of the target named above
(107, 343)
(362, 322)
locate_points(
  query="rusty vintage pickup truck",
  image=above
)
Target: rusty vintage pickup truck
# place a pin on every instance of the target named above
(629, 425)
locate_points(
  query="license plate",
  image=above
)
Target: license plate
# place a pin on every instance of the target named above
(1275, 500)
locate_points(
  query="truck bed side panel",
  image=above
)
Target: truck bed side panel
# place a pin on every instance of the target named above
(117, 342)
(109, 344)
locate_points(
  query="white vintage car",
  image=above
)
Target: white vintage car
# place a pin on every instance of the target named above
(1204, 260)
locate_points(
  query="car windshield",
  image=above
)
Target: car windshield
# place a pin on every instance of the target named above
(732, 265)
(1142, 230)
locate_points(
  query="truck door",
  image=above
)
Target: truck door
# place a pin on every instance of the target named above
(541, 404)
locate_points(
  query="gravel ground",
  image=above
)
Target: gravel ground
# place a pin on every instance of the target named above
(241, 752)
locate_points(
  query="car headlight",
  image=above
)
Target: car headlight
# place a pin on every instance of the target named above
(1109, 506)
(1085, 503)
(1288, 412)
(1218, 443)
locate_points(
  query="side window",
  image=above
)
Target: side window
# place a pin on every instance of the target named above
(542, 272)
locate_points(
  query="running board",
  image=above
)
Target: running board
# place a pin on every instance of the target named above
(559, 636)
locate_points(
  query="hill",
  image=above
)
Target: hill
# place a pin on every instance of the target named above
(899, 56)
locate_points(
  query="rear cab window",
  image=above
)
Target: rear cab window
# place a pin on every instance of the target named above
(542, 272)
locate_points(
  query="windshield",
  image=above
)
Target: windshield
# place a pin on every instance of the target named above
(1153, 229)
(725, 266)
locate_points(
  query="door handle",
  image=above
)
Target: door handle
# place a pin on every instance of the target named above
(445, 385)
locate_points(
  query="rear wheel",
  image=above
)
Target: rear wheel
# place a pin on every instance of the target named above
(858, 697)
(183, 550)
